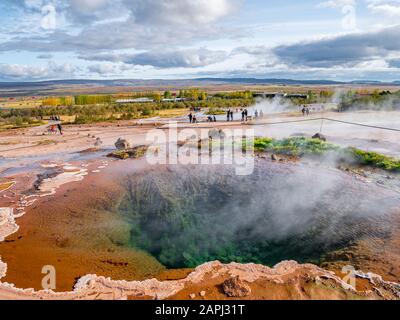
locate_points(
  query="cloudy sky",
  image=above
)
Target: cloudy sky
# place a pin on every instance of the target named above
(169, 39)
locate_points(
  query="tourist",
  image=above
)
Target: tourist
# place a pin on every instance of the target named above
(194, 119)
(231, 115)
(246, 114)
(228, 115)
(261, 114)
(243, 114)
(59, 126)
(308, 111)
(190, 117)
(256, 114)
(303, 110)
(215, 119)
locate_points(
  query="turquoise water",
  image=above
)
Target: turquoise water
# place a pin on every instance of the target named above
(185, 216)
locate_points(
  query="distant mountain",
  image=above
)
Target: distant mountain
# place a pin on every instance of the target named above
(153, 82)
(81, 86)
(271, 81)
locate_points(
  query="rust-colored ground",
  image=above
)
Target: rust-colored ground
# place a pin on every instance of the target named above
(78, 234)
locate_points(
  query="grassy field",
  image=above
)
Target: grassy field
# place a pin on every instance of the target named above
(171, 113)
(20, 104)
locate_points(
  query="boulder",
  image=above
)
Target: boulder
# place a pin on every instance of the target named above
(274, 157)
(319, 136)
(236, 288)
(132, 153)
(122, 144)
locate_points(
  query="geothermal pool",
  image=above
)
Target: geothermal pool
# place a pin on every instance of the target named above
(186, 216)
(133, 222)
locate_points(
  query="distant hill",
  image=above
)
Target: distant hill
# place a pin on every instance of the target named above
(271, 81)
(77, 86)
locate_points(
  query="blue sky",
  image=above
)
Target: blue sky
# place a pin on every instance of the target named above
(108, 39)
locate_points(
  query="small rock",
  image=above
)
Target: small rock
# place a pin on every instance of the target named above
(319, 136)
(274, 157)
(192, 296)
(236, 288)
(122, 144)
(202, 294)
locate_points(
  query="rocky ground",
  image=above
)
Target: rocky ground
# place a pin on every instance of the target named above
(287, 280)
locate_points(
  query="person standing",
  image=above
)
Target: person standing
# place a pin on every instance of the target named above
(228, 115)
(190, 117)
(231, 115)
(246, 114)
(59, 126)
(243, 114)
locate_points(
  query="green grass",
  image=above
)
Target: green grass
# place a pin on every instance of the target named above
(374, 159)
(215, 111)
(297, 146)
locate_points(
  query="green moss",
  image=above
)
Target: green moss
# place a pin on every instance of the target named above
(133, 153)
(296, 146)
(299, 146)
(374, 159)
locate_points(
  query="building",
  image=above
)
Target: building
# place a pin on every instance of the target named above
(137, 100)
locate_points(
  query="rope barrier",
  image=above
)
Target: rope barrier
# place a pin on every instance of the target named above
(362, 125)
(297, 121)
(329, 119)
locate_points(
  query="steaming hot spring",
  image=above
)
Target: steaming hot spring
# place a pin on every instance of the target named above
(134, 221)
(185, 216)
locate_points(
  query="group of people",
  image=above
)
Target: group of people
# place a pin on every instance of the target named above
(245, 115)
(305, 111)
(229, 115)
(55, 118)
(258, 114)
(54, 127)
(192, 118)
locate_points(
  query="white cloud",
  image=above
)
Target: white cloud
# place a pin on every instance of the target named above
(192, 58)
(345, 50)
(147, 24)
(180, 11)
(23, 72)
(337, 4)
(385, 7)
